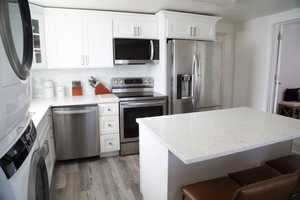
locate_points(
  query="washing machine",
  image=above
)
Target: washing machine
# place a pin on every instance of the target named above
(16, 53)
(23, 172)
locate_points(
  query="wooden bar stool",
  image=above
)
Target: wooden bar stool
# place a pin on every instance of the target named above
(254, 175)
(278, 188)
(285, 165)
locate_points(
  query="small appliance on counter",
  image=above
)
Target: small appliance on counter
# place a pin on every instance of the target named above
(60, 91)
(49, 89)
(76, 88)
(99, 87)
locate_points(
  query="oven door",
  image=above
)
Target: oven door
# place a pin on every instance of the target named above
(131, 110)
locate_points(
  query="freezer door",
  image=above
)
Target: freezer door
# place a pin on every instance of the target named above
(180, 62)
(207, 88)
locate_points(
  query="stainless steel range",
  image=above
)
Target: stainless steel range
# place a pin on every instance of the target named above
(137, 100)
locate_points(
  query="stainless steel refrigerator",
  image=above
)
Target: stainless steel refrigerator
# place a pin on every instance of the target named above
(194, 76)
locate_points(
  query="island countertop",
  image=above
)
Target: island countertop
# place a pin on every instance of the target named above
(200, 136)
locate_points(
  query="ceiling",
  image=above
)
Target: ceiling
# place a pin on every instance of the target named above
(235, 10)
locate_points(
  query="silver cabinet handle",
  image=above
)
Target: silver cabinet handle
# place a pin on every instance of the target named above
(134, 31)
(191, 31)
(87, 60)
(82, 59)
(139, 31)
(195, 31)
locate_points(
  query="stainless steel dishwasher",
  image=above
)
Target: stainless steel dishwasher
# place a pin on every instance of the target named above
(76, 132)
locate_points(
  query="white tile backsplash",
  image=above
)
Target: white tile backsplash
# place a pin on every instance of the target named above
(65, 77)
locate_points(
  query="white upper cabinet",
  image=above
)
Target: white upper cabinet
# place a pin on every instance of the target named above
(38, 29)
(78, 39)
(99, 43)
(189, 26)
(127, 25)
(64, 38)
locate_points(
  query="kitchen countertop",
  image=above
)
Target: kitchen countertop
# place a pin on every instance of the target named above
(39, 107)
(196, 137)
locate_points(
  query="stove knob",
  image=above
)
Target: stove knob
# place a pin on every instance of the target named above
(121, 82)
(116, 82)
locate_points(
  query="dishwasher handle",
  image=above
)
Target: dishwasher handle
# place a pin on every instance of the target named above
(73, 112)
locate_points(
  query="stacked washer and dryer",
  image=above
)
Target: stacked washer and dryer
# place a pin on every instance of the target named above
(23, 173)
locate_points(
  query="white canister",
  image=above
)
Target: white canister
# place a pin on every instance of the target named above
(60, 91)
(49, 89)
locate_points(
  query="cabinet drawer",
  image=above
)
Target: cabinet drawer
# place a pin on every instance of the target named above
(109, 124)
(109, 143)
(109, 109)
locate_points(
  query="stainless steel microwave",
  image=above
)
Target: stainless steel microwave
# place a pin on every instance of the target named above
(135, 51)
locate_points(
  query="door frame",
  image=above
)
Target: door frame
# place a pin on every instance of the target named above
(275, 60)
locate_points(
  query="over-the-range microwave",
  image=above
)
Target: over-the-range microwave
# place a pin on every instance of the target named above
(135, 51)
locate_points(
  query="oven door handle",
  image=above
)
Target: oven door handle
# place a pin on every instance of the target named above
(152, 103)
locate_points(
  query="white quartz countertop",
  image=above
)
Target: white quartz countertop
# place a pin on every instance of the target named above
(39, 107)
(196, 137)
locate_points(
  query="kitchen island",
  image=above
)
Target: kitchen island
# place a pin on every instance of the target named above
(182, 149)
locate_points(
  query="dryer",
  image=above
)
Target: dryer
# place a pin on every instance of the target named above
(23, 172)
(15, 63)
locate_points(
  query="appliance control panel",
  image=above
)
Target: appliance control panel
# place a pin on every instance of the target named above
(132, 82)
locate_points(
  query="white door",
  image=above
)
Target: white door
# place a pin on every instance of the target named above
(64, 39)
(98, 41)
(288, 67)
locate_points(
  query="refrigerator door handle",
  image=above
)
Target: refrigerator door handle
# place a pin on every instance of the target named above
(196, 81)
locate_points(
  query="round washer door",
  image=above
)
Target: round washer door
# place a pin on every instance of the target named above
(16, 34)
(38, 187)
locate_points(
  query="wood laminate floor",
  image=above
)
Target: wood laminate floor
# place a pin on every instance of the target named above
(115, 178)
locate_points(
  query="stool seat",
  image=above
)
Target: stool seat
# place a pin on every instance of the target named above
(216, 189)
(278, 188)
(254, 175)
(285, 165)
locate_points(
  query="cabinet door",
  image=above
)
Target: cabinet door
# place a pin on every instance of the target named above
(180, 30)
(136, 26)
(38, 30)
(190, 26)
(125, 29)
(64, 38)
(98, 41)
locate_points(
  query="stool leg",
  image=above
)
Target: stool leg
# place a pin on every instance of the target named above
(183, 197)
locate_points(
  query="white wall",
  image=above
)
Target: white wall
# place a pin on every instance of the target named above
(65, 77)
(253, 59)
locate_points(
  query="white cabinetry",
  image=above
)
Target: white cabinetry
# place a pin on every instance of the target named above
(46, 141)
(189, 26)
(38, 29)
(135, 26)
(98, 39)
(78, 39)
(109, 128)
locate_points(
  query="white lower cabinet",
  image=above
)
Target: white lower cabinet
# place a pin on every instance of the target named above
(46, 141)
(110, 143)
(109, 124)
(109, 129)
